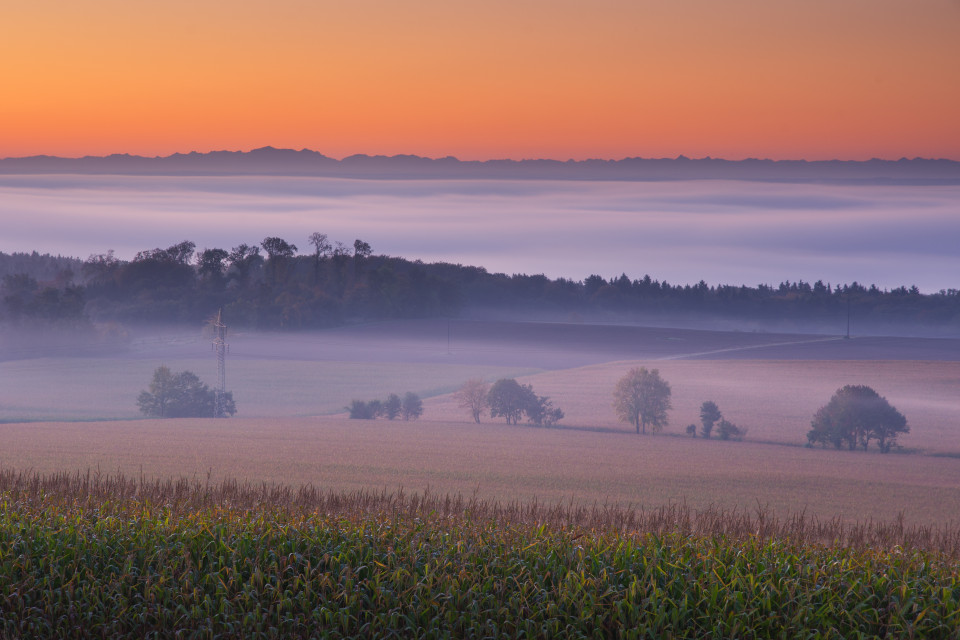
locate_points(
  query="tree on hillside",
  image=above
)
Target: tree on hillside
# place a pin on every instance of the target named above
(392, 407)
(181, 395)
(642, 398)
(709, 415)
(473, 397)
(508, 399)
(727, 430)
(412, 406)
(361, 410)
(541, 412)
(855, 415)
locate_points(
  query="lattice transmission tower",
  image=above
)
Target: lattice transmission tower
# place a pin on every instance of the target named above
(220, 347)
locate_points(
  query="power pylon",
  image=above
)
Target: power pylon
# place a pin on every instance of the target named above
(220, 347)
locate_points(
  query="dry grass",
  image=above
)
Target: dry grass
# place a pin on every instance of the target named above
(80, 494)
(519, 463)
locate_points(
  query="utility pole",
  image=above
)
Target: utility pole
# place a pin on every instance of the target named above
(847, 337)
(220, 347)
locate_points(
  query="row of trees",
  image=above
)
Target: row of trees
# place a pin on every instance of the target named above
(270, 285)
(507, 399)
(854, 416)
(410, 407)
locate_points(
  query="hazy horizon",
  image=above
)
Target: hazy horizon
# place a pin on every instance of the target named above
(722, 232)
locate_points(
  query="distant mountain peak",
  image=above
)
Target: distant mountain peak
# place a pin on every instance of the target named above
(269, 160)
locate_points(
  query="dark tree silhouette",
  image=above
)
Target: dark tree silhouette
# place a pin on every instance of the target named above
(391, 407)
(855, 415)
(412, 406)
(709, 415)
(211, 263)
(508, 399)
(181, 395)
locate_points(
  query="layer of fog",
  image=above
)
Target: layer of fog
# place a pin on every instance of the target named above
(723, 232)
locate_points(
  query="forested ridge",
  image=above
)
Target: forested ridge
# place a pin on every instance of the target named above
(270, 285)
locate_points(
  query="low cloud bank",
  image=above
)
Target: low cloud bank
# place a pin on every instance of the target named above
(719, 231)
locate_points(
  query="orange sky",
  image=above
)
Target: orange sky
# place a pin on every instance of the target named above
(810, 79)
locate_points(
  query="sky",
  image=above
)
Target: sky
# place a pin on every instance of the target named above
(810, 79)
(723, 232)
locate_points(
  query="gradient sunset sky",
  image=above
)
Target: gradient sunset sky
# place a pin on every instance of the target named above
(813, 79)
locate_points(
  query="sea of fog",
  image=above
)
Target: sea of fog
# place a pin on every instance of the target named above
(723, 232)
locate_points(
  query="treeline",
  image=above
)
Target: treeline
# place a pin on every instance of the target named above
(272, 285)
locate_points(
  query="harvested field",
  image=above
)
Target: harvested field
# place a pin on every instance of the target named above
(501, 462)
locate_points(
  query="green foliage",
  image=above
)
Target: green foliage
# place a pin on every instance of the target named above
(134, 568)
(855, 415)
(642, 398)
(181, 395)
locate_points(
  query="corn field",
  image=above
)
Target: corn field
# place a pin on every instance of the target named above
(111, 556)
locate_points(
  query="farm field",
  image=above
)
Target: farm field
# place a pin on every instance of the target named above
(291, 390)
(506, 463)
(130, 558)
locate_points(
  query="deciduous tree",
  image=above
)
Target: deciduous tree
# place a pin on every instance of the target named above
(855, 415)
(709, 415)
(642, 398)
(473, 397)
(412, 406)
(391, 407)
(508, 399)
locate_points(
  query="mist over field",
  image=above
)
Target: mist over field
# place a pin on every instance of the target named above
(70, 400)
(723, 232)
